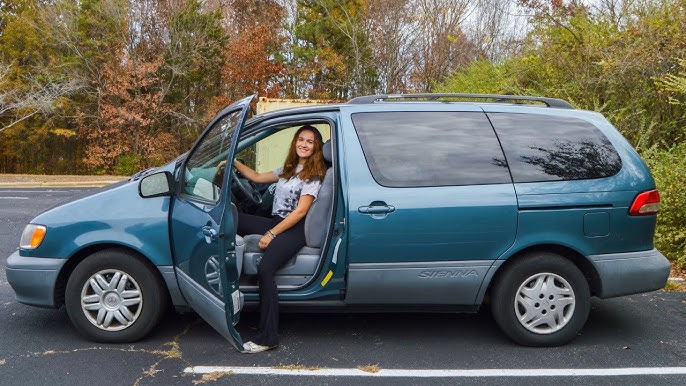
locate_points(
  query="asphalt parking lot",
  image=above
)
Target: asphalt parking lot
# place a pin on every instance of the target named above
(637, 339)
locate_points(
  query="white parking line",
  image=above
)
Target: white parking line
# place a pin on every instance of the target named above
(14, 198)
(404, 373)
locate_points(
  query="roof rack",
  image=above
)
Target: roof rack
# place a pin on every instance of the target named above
(550, 102)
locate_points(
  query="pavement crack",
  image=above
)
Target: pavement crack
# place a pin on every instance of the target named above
(174, 352)
(55, 352)
(45, 353)
(169, 350)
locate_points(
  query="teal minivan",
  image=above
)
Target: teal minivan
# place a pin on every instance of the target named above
(432, 202)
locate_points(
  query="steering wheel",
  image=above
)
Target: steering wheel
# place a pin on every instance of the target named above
(247, 187)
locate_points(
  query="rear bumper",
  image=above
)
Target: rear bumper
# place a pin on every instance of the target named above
(631, 273)
(33, 279)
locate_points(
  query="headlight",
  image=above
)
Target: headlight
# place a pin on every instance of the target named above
(32, 237)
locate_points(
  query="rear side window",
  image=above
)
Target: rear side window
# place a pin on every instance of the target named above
(406, 149)
(549, 148)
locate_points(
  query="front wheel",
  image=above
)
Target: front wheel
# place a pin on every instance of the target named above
(113, 297)
(541, 300)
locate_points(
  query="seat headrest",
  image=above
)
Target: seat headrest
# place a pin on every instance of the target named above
(326, 150)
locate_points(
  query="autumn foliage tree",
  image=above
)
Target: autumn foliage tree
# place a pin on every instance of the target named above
(331, 50)
(441, 46)
(132, 112)
(254, 54)
(36, 84)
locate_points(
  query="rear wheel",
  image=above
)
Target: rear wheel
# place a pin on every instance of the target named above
(112, 296)
(541, 299)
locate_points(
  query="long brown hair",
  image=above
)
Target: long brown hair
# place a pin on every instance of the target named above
(314, 167)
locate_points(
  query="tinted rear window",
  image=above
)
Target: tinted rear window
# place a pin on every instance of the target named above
(549, 148)
(405, 149)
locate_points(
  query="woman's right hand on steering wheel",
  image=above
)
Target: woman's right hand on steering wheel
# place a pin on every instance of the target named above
(246, 186)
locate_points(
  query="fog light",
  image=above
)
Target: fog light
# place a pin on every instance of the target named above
(32, 237)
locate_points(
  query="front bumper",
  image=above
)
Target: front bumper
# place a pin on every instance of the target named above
(631, 273)
(33, 279)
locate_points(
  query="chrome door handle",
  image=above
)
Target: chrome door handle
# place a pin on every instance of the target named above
(209, 233)
(376, 208)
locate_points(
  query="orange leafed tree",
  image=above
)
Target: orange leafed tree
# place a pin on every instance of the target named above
(130, 112)
(253, 62)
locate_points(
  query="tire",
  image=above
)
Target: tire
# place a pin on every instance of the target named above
(530, 312)
(114, 297)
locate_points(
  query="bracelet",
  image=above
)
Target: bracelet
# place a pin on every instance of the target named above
(271, 234)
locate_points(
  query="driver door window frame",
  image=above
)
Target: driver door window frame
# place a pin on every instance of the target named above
(262, 130)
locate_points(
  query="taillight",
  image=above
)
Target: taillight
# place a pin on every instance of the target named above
(645, 203)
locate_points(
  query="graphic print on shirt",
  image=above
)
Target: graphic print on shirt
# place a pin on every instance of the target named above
(288, 192)
(290, 202)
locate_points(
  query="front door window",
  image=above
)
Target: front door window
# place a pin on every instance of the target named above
(204, 175)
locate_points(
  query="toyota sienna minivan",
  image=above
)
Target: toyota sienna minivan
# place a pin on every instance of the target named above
(431, 202)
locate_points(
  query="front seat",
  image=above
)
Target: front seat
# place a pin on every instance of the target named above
(300, 269)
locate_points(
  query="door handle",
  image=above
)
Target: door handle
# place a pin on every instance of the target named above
(376, 208)
(209, 233)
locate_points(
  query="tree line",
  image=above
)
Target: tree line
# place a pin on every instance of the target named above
(112, 86)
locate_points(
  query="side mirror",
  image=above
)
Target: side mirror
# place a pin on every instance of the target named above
(157, 184)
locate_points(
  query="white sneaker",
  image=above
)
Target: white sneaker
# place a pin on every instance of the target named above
(254, 348)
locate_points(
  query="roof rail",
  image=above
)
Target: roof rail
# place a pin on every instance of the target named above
(550, 102)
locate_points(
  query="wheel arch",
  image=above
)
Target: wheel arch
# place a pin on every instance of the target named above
(579, 260)
(82, 254)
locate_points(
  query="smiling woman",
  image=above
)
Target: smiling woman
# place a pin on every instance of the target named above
(297, 185)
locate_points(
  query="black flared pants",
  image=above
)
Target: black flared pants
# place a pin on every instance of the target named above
(278, 252)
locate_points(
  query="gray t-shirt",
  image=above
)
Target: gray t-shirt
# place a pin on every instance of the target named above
(288, 192)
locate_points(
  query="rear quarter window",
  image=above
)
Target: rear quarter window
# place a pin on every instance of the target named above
(410, 149)
(551, 148)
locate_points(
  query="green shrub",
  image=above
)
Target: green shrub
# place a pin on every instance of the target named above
(482, 77)
(669, 171)
(127, 164)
